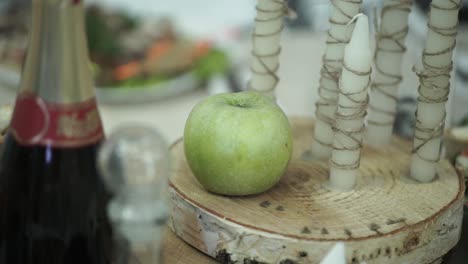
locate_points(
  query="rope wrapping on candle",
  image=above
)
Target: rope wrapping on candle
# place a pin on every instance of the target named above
(333, 39)
(392, 81)
(267, 71)
(356, 112)
(282, 11)
(431, 90)
(331, 68)
(331, 72)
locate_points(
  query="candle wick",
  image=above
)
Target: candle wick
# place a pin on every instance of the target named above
(354, 19)
(352, 22)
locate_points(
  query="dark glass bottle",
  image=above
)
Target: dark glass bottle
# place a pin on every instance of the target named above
(52, 202)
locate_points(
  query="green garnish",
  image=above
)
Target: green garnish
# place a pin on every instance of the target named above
(140, 82)
(215, 62)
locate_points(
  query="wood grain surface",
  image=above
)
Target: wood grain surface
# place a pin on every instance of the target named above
(387, 217)
(177, 251)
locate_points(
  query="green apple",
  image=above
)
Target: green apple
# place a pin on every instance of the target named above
(238, 143)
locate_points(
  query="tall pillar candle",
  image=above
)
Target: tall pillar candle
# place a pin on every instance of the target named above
(390, 47)
(266, 45)
(434, 88)
(352, 108)
(342, 11)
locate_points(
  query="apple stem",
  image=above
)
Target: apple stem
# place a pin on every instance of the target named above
(266, 45)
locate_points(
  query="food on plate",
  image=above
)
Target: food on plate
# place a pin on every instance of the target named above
(126, 51)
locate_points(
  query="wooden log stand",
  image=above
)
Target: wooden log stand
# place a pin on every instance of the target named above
(388, 218)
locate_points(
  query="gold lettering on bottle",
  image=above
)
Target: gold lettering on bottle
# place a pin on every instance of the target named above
(71, 126)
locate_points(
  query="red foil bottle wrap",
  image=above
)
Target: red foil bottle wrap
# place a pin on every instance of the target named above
(58, 125)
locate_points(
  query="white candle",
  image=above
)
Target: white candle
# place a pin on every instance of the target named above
(342, 11)
(352, 107)
(266, 45)
(390, 48)
(434, 88)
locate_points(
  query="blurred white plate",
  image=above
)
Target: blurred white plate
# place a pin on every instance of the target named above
(9, 78)
(206, 19)
(109, 95)
(177, 86)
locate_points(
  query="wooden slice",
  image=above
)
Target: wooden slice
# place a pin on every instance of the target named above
(177, 251)
(388, 218)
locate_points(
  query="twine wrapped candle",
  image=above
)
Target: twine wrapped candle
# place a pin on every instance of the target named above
(352, 108)
(266, 45)
(390, 47)
(434, 88)
(342, 12)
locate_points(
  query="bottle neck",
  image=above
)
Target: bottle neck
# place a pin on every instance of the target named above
(56, 105)
(58, 68)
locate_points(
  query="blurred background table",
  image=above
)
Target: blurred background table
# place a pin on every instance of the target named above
(303, 46)
(300, 65)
